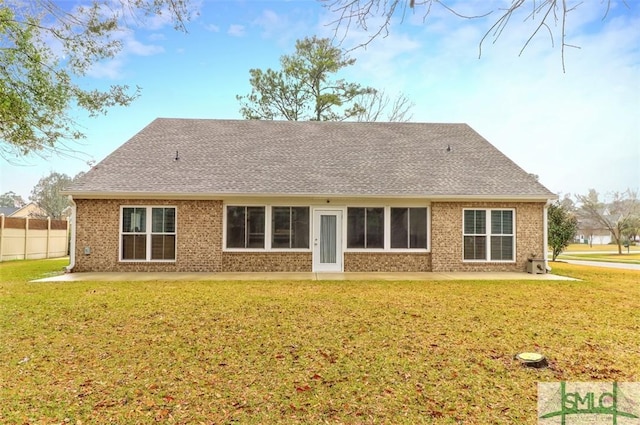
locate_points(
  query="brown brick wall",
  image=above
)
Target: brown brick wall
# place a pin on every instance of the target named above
(386, 262)
(199, 230)
(199, 242)
(446, 238)
(266, 262)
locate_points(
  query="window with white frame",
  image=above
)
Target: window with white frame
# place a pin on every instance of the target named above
(365, 228)
(488, 234)
(408, 228)
(282, 227)
(289, 227)
(148, 234)
(245, 227)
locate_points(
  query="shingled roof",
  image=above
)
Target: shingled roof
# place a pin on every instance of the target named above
(238, 157)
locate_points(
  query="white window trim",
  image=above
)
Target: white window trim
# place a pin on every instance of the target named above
(148, 233)
(345, 229)
(387, 230)
(270, 223)
(488, 235)
(267, 229)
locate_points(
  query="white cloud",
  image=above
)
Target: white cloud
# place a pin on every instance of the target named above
(236, 30)
(157, 37)
(287, 27)
(270, 21)
(134, 47)
(157, 21)
(576, 130)
(212, 28)
(114, 68)
(110, 69)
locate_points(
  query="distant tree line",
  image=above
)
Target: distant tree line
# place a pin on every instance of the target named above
(45, 194)
(617, 213)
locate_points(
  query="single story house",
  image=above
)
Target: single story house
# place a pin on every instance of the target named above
(28, 210)
(205, 195)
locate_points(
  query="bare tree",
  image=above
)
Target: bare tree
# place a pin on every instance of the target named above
(377, 106)
(619, 216)
(544, 14)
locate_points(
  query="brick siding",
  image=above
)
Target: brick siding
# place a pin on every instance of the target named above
(446, 235)
(266, 262)
(386, 262)
(199, 242)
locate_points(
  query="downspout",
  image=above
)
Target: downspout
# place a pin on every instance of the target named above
(72, 245)
(545, 242)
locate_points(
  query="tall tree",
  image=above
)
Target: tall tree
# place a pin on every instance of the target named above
(46, 193)
(12, 200)
(563, 226)
(378, 104)
(548, 17)
(305, 88)
(45, 50)
(618, 215)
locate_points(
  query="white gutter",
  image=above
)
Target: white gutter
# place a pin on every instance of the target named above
(545, 242)
(72, 247)
(319, 196)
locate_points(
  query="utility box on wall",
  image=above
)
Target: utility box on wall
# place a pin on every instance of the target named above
(536, 266)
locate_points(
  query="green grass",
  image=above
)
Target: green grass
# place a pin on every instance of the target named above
(632, 258)
(305, 352)
(610, 248)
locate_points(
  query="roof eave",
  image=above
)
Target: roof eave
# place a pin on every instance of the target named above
(333, 196)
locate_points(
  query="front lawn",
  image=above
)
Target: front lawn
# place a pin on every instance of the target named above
(305, 352)
(631, 258)
(579, 247)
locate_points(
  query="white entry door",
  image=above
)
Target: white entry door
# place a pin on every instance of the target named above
(327, 241)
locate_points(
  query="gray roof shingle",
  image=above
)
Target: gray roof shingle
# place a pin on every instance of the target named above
(238, 157)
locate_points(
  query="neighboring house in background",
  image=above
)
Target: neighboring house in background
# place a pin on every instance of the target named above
(7, 211)
(594, 237)
(269, 196)
(29, 210)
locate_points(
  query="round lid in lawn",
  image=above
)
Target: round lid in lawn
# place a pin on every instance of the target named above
(532, 359)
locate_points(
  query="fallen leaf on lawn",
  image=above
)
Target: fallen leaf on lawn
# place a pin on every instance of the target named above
(303, 388)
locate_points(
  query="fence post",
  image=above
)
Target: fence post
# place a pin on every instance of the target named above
(26, 237)
(48, 235)
(1, 235)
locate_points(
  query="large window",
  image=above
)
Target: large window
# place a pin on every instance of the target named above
(502, 245)
(489, 235)
(365, 227)
(290, 227)
(408, 228)
(245, 227)
(144, 239)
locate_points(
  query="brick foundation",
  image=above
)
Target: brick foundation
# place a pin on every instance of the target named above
(386, 262)
(266, 262)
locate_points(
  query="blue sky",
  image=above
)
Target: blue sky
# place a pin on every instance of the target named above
(575, 130)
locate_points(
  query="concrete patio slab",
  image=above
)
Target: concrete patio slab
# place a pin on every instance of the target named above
(106, 277)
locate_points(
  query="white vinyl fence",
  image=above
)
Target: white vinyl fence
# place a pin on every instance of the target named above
(32, 238)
